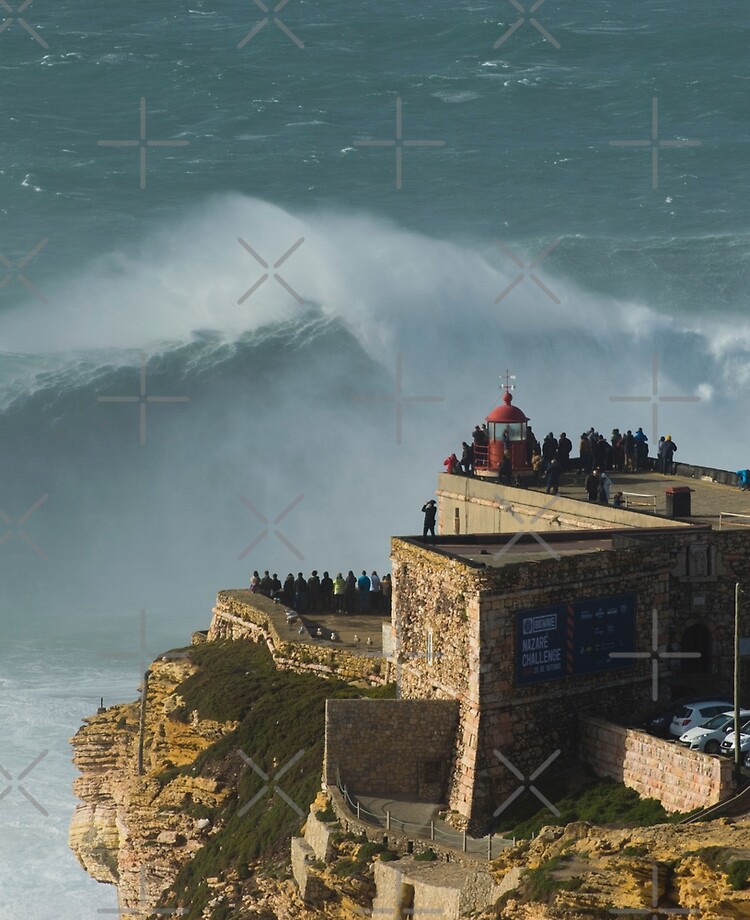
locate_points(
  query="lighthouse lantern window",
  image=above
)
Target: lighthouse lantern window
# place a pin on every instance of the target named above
(516, 430)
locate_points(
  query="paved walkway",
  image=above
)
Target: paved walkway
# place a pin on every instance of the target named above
(351, 630)
(707, 499)
(412, 819)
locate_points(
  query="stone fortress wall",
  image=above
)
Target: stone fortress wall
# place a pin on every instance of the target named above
(391, 747)
(455, 625)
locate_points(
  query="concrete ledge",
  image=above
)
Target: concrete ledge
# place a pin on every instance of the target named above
(409, 888)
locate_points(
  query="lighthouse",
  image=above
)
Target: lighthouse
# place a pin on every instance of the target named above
(507, 434)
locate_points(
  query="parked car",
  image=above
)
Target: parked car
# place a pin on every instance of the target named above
(659, 722)
(692, 714)
(727, 745)
(708, 736)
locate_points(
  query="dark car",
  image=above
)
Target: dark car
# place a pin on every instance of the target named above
(660, 721)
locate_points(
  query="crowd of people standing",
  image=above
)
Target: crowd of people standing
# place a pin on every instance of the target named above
(343, 594)
(626, 452)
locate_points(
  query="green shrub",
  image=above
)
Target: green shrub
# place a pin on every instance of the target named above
(428, 855)
(369, 849)
(388, 856)
(346, 868)
(326, 814)
(738, 873)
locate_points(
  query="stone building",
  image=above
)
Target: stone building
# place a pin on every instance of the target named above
(528, 613)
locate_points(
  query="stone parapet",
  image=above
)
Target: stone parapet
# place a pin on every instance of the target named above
(240, 614)
(682, 780)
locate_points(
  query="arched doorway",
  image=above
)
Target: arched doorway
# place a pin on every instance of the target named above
(697, 638)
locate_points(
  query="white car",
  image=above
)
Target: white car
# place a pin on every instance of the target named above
(692, 714)
(727, 745)
(708, 736)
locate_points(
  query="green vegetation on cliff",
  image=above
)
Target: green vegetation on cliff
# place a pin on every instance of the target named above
(270, 764)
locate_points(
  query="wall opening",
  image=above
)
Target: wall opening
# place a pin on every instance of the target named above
(697, 638)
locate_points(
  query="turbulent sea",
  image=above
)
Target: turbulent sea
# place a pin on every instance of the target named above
(248, 337)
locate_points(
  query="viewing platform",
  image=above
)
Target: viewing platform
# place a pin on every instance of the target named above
(483, 505)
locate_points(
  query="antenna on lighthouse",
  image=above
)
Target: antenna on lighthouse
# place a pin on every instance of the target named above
(507, 385)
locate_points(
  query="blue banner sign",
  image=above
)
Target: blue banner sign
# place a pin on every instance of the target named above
(574, 638)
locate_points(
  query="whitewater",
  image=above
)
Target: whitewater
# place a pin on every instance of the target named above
(251, 342)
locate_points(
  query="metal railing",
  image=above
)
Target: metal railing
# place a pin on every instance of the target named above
(639, 500)
(734, 514)
(452, 839)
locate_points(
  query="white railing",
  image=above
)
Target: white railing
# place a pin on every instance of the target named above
(639, 500)
(734, 514)
(448, 837)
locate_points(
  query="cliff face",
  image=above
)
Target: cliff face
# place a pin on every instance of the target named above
(134, 831)
(140, 832)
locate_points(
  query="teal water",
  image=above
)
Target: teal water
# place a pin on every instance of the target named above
(349, 382)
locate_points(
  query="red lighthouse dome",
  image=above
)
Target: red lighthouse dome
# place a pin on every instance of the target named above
(507, 435)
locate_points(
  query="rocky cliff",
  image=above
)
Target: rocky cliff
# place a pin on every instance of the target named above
(232, 754)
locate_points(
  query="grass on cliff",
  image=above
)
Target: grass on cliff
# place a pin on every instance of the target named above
(271, 764)
(581, 796)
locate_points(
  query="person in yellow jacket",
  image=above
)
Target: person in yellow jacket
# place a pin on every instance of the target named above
(339, 590)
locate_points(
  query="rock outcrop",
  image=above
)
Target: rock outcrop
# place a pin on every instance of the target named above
(131, 830)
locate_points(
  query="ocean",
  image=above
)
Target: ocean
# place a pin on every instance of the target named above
(264, 267)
